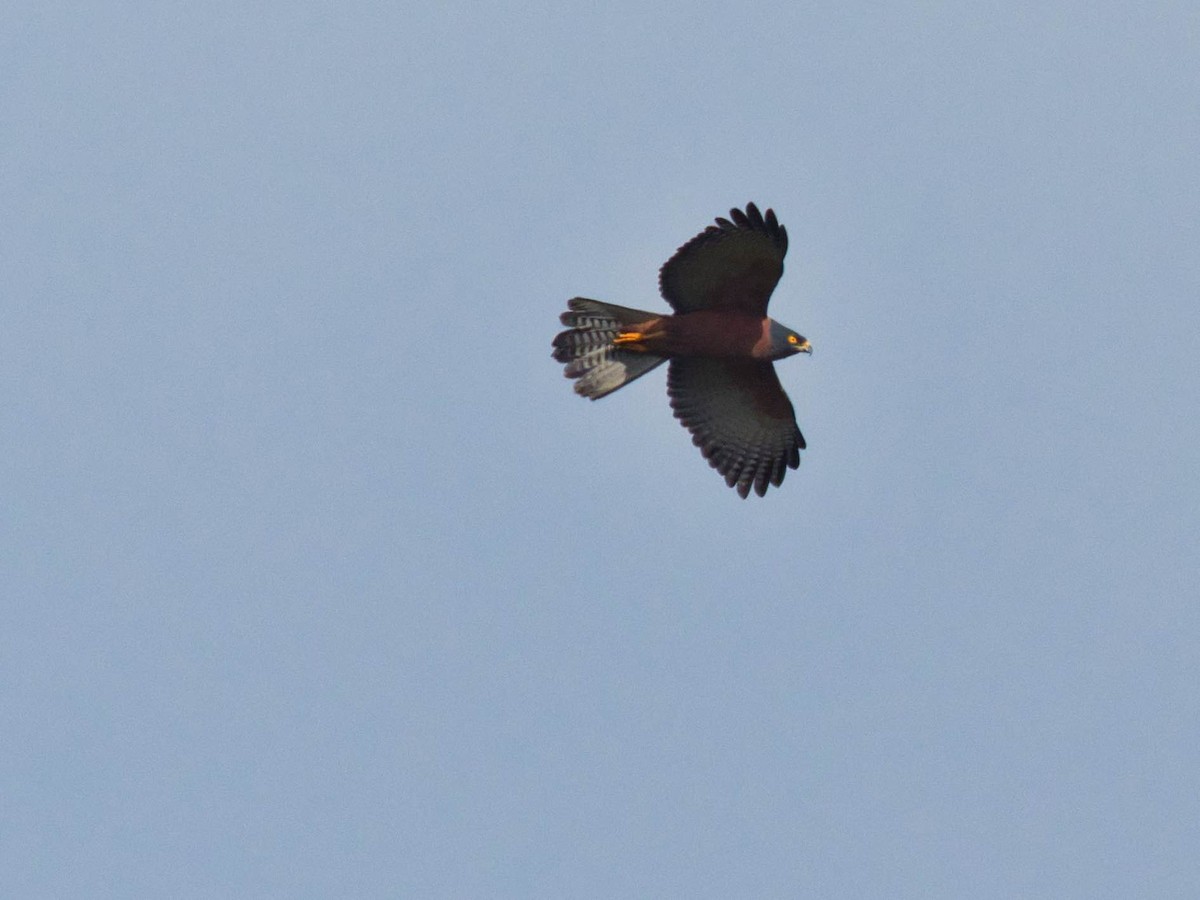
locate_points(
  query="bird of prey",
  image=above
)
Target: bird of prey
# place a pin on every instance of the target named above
(720, 343)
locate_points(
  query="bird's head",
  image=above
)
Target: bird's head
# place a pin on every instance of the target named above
(785, 342)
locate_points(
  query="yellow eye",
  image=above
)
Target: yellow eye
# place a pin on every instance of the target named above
(792, 339)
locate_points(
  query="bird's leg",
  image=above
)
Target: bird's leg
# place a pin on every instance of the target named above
(636, 337)
(628, 337)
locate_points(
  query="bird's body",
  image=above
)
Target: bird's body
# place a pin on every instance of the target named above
(720, 342)
(706, 332)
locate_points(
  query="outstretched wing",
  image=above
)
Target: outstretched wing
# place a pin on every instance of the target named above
(733, 264)
(739, 417)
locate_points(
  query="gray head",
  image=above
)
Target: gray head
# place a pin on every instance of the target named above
(785, 342)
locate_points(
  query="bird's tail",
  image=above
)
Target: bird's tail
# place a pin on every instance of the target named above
(587, 347)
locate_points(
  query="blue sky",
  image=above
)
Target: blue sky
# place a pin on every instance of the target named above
(319, 580)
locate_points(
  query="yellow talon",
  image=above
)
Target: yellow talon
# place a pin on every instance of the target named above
(628, 337)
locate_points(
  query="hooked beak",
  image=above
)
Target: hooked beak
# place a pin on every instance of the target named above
(804, 347)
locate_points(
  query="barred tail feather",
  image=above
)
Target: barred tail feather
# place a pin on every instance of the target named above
(587, 349)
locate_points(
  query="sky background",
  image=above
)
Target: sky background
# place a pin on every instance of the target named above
(318, 580)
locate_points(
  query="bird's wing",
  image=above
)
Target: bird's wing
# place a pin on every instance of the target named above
(739, 417)
(733, 264)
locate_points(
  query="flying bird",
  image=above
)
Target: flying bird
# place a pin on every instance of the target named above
(720, 343)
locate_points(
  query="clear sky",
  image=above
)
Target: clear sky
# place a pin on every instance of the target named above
(318, 581)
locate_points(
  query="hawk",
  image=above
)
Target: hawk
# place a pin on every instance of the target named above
(720, 343)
